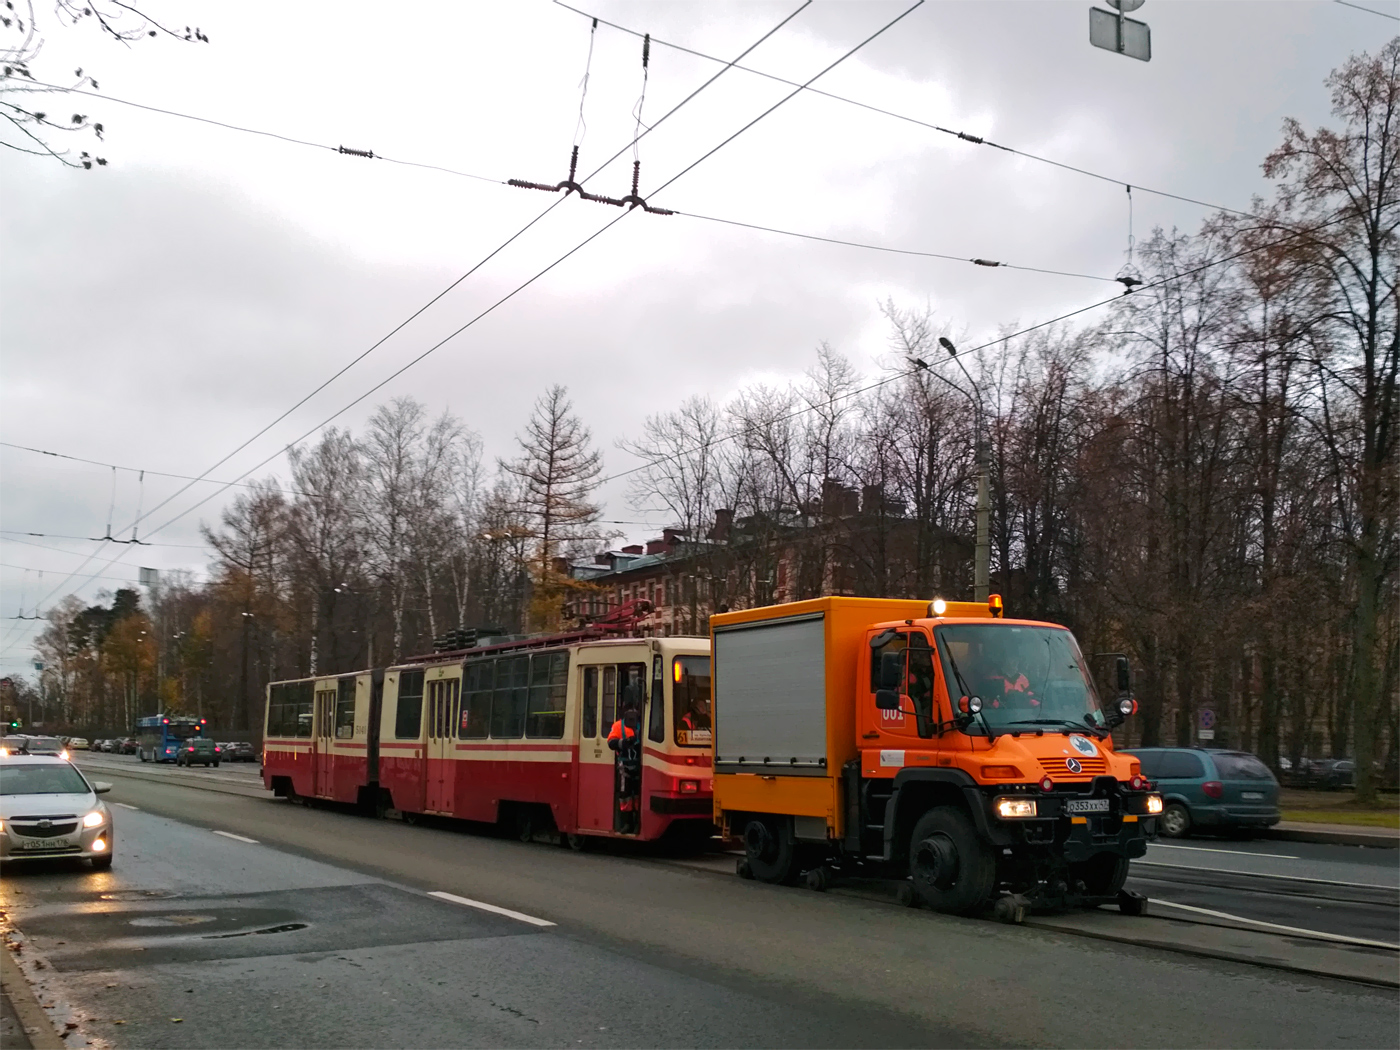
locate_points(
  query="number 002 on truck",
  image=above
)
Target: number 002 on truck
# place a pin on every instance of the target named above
(935, 741)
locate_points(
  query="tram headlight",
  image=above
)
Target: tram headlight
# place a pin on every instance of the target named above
(1015, 808)
(1154, 804)
(95, 819)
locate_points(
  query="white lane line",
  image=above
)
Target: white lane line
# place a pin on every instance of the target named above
(1266, 875)
(240, 838)
(482, 906)
(1236, 852)
(125, 805)
(1317, 934)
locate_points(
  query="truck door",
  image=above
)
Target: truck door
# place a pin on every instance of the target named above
(441, 766)
(916, 692)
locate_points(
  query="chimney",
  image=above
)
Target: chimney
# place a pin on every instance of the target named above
(724, 524)
(656, 546)
(635, 548)
(872, 499)
(672, 537)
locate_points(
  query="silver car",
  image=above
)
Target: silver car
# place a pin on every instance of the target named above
(49, 809)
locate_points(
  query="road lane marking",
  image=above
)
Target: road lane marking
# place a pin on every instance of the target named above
(1236, 852)
(1267, 875)
(240, 838)
(482, 906)
(125, 805)
(1341, 938)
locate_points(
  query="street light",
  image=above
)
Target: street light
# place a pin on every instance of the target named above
(982, 563)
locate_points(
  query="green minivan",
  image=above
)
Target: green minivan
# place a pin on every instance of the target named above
(197, 749)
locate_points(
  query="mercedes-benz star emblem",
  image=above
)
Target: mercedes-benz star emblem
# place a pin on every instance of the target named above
(1072, 764)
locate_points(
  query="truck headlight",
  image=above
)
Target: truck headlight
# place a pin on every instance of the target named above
(1015, 808)
(1154, 804)
(95, 819)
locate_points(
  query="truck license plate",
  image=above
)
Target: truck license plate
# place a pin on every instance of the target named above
(1252, 796)
(1086, 805)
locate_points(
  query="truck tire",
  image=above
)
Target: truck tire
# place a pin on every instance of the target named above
(1103, 874)
(770, 850)
(952, 869)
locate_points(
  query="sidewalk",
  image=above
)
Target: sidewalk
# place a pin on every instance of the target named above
(23, 1023)
(1336, 834)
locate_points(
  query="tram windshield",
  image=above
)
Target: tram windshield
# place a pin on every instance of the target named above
(690, 700)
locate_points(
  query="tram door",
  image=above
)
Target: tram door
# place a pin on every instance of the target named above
(609, 784)
(322, 759)
(444, 697)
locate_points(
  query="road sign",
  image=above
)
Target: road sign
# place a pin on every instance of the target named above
(1126, 5)
(1112, 32)
(1207, 718)
(1206, 734)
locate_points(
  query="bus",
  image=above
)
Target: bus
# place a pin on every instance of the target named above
(514, 733)
(158, 737)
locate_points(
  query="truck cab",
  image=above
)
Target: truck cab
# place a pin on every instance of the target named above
(968, 753)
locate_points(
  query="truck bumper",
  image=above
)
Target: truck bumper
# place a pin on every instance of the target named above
(1124, 838)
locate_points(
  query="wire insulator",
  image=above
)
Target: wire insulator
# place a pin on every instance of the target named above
(646, 50)
(573, 165)
(357, 152)
(971, 138)
(985, 262)
(636, 175)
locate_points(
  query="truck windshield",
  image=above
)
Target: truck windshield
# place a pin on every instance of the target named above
(690, 700)
(1027, 677)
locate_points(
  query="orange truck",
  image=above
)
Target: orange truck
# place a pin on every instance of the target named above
(936, 742)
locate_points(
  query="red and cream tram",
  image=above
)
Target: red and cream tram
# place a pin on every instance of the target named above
(513, 733)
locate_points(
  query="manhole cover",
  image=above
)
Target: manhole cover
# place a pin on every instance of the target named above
(172, 920)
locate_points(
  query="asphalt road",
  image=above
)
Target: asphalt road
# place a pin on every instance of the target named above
(354, 951)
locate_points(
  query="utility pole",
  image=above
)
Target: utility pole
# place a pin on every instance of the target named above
(982, 563)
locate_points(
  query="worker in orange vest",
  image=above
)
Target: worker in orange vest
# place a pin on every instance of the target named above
(623, 739)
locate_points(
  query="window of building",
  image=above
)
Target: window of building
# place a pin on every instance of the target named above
(408, 717)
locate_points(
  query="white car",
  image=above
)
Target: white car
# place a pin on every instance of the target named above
(49, 809)
(77, 743)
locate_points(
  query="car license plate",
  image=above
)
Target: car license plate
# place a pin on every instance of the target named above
(1086, 805)
(59, 843)
(1252, 796)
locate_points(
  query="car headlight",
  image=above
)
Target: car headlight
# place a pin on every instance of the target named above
(1015, 808)
(1154, 804)
(95, 819)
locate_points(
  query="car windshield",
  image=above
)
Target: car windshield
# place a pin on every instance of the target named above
(56, 779)
(1027, 677)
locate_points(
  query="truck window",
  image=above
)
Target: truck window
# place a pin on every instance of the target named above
(690, 700)
(897, 644)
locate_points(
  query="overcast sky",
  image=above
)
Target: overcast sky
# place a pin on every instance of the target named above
(161, 310)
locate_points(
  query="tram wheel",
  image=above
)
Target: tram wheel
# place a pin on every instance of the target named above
(577, 843)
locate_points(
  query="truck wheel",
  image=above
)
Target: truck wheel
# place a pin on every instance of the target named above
(770, 850)
(1175, 822)
(952, 869)
(1103, 874)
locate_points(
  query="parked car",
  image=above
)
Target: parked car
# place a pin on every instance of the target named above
(1340, 775)
(49, 809)
(239, 751)
(127, 745)
(108, 746)
(77, 743)
(1208, 788)
(198, 750)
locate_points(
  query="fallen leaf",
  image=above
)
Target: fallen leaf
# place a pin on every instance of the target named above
(177, 1020)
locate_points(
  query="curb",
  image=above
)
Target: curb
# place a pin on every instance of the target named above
(37, 1026)
(1380, 840)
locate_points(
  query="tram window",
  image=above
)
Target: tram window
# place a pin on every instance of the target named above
(632, 691)
(609, 699)
(590, 703)
(345, 708)
(287, 701)
(475, 720)
(656, 727)
(549, 689)
(690, 698)
(509, 697)
(408, 718)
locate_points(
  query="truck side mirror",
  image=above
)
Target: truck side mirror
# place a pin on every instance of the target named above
(1125, 675)
(887, 699)
(891, 670)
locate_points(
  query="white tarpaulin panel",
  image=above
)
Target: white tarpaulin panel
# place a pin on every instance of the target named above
(770, 694)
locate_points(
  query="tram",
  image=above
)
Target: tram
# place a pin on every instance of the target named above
(512, 733)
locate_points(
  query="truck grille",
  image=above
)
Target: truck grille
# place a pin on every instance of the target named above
(1088, 767)
(57, 826)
